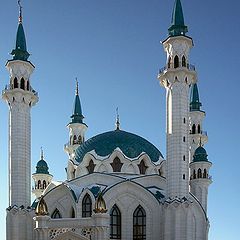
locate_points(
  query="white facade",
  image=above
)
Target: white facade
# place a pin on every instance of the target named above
(118, 186)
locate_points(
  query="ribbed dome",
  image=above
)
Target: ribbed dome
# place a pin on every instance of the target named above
(200, 155)
(130, 144)
(42, 167)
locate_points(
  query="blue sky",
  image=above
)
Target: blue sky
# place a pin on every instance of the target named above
(113, 47)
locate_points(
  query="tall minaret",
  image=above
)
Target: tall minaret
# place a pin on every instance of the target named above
(196, 117)
(176, 78)
(20, 97)
(77, 129)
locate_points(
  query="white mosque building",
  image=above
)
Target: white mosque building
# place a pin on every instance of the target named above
(119, 185)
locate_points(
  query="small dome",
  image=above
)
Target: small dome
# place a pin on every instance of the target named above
(200, 155)
(42, 167)
(130, 144)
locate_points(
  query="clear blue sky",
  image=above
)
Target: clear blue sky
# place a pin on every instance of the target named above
(113, 47)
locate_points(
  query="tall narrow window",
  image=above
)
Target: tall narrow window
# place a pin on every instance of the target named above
(205, 173)
(194, 174)
(193, 129)
(91, 166)
(199, 173)
(116, 165)
(142, 167)
(176, 62)
(39, 184)
(73, 213)
(15, 83)
(22, 84)
(199, 128)
(56, 214)
(115, 223)
(139, 224)
(184, 61)
(28, 85)
(44, 184)
(74, 139)
(169, 62)
(87, 206)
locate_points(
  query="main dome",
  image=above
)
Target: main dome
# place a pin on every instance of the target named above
(130, 144)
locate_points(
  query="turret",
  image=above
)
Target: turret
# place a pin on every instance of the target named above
(176, 77)
(20, 98)
(42, 178)
(196, 116)
(200, 178)
(77, 129)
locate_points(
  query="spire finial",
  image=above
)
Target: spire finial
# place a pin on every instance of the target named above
(76, 86)
(20, 11)
(117, 120)
(42, 156)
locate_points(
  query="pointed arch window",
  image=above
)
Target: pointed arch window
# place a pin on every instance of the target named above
(194, 174)
(56, 214)
(87, 206)
(28, 85)
(22, 83)
(199, 128)
(15, 83)
(193, 129)
(205, 173)
(199, 173)
(91, 166)
(44, 184)
(39, 184)
(169, 62)
(142, 167)
(73, 213)
(176, 61)
(139, 224)
(116, 165)
(184, 61)
(74, 139)
(115, 223)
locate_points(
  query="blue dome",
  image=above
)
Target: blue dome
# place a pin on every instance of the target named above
(130, 144)
(42, 167)
(200, 155)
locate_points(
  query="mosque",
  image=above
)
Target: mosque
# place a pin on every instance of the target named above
(119, 185)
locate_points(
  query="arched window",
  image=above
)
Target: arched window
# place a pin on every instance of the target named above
(91, 166)
(199, 128)
(56, 214)
(193, 129)
(28, 85)
(139, 224)
(15, 83)
(184, 158)
(176, 61)
(79, 140)
(184, 139)
(44, 184)
(116, 165)
(184, 176)
(194, 174)
(22, 84)
(169, 62)
(199, 173)
(184, 61)
(142, 167)
(115, 223)
(39, 184)
(184, 120)
(73, 213)
(87, 206)
(205, 173)
(74, 139)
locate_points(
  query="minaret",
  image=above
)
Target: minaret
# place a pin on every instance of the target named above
(20, 98)
(196, 117)
(76, 127)
(42, 178)
(176, 77)
(200, 179)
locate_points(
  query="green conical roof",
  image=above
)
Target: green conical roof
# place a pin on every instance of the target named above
(195, 104)
(20, 52)
(178, 27)
(200, 155)
(77, 116)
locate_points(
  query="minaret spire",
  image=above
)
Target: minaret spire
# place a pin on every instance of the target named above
(195, 104)
(20, 11)
(42, 155)
(178, 27)
(77, 87)
(117, 120)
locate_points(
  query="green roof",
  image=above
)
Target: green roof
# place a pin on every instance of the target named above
(195, 104)
(77, 116)
(130, 144)
(200, 155)
(178, 27)
(20, 52)
(42, 167)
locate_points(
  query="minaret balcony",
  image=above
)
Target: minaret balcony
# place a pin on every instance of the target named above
(10, 87)
(188, 66)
